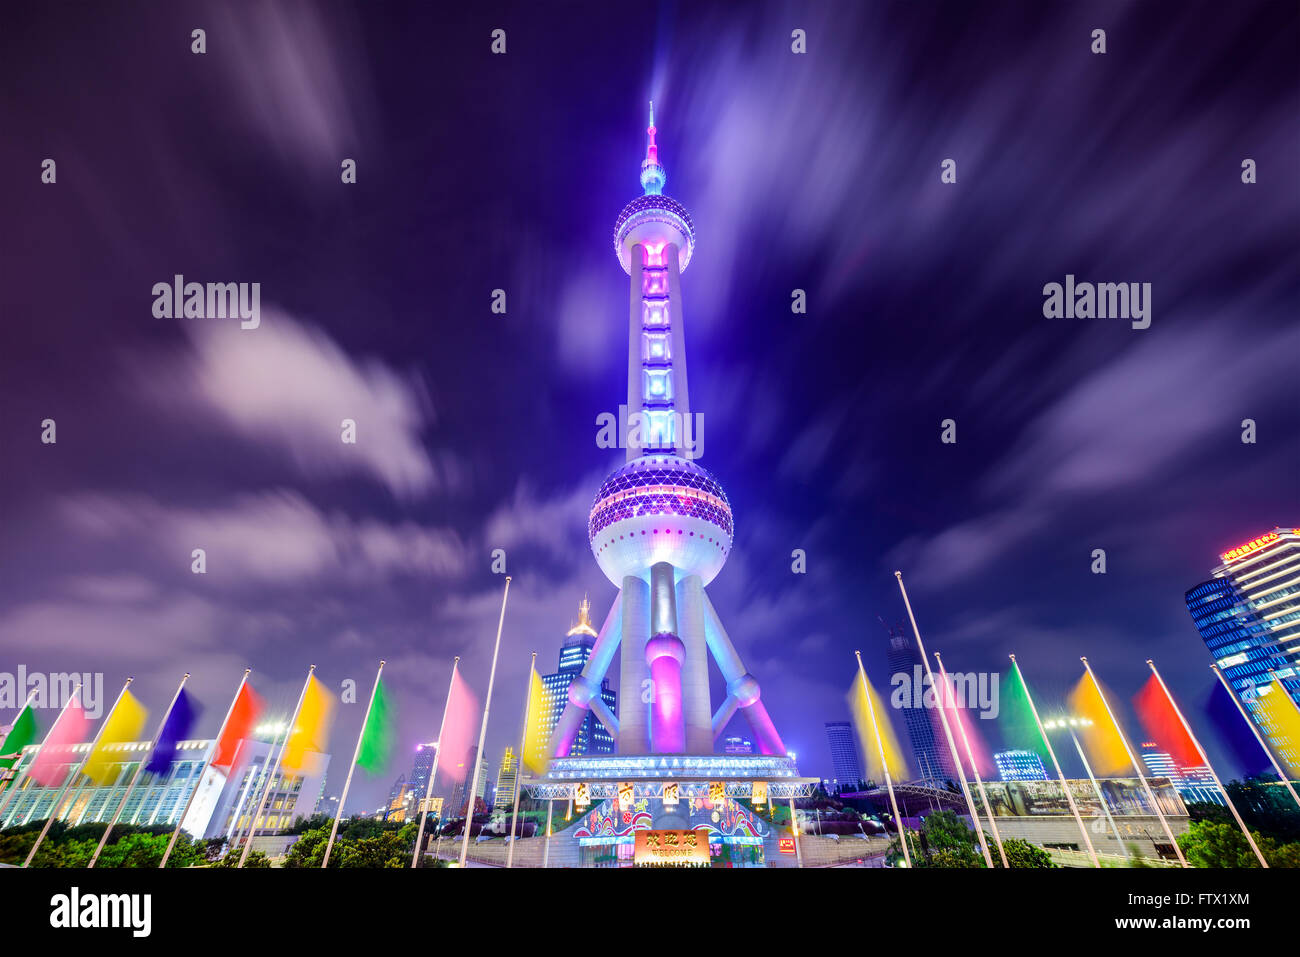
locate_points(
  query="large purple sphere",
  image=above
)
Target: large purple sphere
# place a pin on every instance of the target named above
(660, 508)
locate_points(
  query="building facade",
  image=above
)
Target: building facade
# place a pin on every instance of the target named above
(223, 801)
(1017, 765)
(1248, 615)
(845, 765)
(1195, 784)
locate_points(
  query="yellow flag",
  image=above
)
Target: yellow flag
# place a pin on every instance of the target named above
(311, 731)
(1280, 719)
(1101, 738)
(535, 738)
(123, 724)
(868, 729)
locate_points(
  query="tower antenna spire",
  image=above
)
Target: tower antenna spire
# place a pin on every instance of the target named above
(653, 176)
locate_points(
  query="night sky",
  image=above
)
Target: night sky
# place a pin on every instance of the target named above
(476, 431)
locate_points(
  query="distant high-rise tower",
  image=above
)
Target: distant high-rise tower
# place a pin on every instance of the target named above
(1248, 615)
(507, 776)
(661, 526)
(591, 737)
(933, 760)
(460, 791)
(418, 781)
(845, 765)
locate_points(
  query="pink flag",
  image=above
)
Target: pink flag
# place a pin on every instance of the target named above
(961, 719)
(51, 764)
(459, 726)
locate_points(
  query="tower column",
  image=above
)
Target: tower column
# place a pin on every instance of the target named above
(633, 733)
(696, 706)
(664, 654)
(635, 397)
(677, 337)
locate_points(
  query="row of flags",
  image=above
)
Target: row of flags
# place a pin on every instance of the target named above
(293, 747)
(1093, 726)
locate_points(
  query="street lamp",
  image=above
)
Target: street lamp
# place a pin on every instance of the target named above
(1072, 724)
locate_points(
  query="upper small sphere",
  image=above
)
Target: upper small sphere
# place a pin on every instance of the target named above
(654, 218)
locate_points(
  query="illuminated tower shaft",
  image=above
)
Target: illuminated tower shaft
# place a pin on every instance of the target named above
(655, 239)
(661, 525)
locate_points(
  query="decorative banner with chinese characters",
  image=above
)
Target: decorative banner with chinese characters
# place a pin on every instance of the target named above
(581, 795)
(626, 796)
(717, 790)
(758, 793)
(671, 847)
(670, 794)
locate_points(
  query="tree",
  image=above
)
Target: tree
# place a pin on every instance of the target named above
(255, 859)
(943, 841)
(1020, 853)
(1216, 844)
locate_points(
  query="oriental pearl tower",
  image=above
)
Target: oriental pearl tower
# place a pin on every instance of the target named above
(661, 526)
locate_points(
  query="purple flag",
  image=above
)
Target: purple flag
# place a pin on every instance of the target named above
(177, 727)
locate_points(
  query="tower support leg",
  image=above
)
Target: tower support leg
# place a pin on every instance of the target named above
(664, 655)
(634, 674)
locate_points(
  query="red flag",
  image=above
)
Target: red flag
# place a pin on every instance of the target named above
(247, 709)
(51, 764)
(1163, 725)
(459, 726)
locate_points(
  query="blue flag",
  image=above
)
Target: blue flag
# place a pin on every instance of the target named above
(177, 727)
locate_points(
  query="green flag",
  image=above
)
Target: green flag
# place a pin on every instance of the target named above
(20, 735)
(377, 742)
(1019, 729)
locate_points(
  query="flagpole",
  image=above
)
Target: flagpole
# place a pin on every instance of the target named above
(1255, 731)
(361, 736)
(1204, 757)
(103, 839)
(1178, 851)
(519, 764)
(482, 732)
(12, 791)
(54, 808)
(1060, 775)
(433, 772)
(794, 831)
(4, 785)
(274, 769)
(1092, 778)
(550, 811)
(947, 731)
(880, 747)
(970, 756)
(212, 752)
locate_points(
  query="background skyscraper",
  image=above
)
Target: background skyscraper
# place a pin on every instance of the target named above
(933, 762)
(592, 736)
(507, 778)
(1248, 615)
(845, 764)
(418, 779)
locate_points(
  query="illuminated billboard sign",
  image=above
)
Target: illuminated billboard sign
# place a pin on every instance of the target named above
(1252, 546)
(671, 847)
